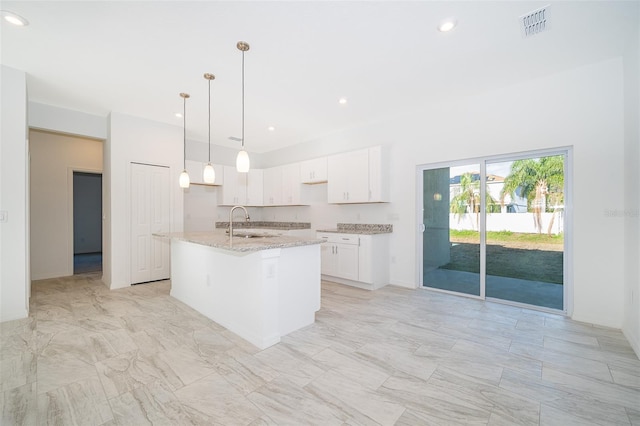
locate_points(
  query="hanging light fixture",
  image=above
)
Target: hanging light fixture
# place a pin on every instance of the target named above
(242, 161)
(208, 174)
(184, 176)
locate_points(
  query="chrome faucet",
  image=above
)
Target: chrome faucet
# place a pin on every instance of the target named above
(246, 218)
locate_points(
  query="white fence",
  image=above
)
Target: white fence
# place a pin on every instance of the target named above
(514, 222)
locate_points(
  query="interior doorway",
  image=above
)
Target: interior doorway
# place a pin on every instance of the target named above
(87, 222)
(495, 228)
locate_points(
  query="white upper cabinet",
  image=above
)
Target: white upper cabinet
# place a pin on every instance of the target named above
(313, 171)
(282, 185)
(234, 190)
(358, 177)
(378, 175)
(196, 169)
(291, 184)
(348, 175)
(273, 186)
(255, 187)
(243, 189)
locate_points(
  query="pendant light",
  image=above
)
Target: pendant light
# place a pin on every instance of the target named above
(242, 161)
(208, 174)
(184, 176)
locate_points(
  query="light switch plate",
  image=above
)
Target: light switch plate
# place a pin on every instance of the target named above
(4, 216)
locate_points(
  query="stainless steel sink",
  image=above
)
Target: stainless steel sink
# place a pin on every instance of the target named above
(252, 234)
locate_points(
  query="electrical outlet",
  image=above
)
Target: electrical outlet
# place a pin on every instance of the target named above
(393, 259)
(4, 216)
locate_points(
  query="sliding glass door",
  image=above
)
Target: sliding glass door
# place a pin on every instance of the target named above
(495, 228)
(451, 259)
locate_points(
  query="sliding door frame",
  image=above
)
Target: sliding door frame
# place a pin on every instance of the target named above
(567, 152)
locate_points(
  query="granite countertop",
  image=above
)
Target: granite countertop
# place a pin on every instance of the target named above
(360, 228)
(219, 239)
(261, 224)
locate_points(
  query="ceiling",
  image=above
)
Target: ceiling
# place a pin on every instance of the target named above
(386, 58)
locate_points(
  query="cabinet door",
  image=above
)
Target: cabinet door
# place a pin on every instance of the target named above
(273, 186)
(313, 171)
(255, 187)
(358, 191)
(337, 178)
(365, 259)
(378, 175)
(348, 177)
(291, 184)
(347, 261)
(328, 259)
(234, 190)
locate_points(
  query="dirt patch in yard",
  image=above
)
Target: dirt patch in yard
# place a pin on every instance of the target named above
(526, 260)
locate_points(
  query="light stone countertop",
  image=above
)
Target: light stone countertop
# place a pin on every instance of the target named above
(219, 239)
(353, 231)
(360, 229)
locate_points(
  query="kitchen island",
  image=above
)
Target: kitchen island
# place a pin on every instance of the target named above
(259, 286)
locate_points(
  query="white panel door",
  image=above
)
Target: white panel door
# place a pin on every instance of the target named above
(160, 217)
(150, 212)
(140, 224)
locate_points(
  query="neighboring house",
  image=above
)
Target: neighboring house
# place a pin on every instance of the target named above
(495, 183)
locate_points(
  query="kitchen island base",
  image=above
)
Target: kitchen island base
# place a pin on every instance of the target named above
(259, 295)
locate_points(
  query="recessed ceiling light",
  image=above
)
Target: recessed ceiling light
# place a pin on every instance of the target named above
(342, 101)
(13, 18)
(178, 114)
(271, 128)
(447, 25)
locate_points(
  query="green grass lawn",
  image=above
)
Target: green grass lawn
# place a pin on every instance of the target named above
(508, 236)
(526, 256)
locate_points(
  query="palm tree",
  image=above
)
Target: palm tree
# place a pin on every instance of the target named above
(467, 200)
(537, 178)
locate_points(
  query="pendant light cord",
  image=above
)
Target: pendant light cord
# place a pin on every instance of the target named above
(243, 99)
(209, 121)
(184, 132)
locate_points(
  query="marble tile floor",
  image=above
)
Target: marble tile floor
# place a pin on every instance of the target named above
(136, 356)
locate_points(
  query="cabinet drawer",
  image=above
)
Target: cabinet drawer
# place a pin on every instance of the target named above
(331, 237)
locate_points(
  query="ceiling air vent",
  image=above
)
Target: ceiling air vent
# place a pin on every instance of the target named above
(535, 22)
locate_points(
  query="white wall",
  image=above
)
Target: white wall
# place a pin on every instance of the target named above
(54, 157)
(61, 120)
(132, 139)
(631, 326)
(14, 233)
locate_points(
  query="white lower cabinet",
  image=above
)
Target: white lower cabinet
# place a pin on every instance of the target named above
(339, 255)
(357, 260)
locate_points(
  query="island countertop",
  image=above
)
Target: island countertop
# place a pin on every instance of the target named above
(220, 240)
